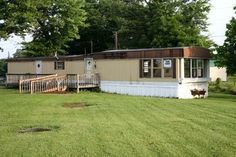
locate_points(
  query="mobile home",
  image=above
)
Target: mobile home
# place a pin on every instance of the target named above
(163, 72)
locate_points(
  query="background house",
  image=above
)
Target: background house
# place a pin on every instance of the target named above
(216, 72)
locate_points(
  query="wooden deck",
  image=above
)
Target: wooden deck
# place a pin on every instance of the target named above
(30, 83)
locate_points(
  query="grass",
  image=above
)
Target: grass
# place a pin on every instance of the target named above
(117, 125)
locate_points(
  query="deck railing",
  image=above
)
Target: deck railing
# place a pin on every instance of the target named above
(13, 79)
(50, 84)
(83, 81)
(54, 82)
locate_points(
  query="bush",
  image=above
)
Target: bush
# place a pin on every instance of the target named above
(224, 87)
(218, 82)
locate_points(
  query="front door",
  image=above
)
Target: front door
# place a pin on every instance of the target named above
(88, 66)
(38, 67)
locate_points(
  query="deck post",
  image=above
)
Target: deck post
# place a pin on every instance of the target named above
(58, 84)
(77, 83)
(31, 87)
(182, 69)
(20, 86)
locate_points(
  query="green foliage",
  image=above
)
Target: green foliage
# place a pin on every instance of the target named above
(139, 23)
(18, 17)
(228, 86)
(51, 22)
(144, 24)
(178, 23)
(226, 54)
(103, 18)
(218, 81)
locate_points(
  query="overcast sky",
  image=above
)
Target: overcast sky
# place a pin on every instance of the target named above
(220, 14)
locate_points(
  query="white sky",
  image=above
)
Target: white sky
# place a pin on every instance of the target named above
(220, 14)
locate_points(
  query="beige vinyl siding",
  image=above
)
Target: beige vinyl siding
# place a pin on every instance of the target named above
(109, 69)
(71, 67)
(21, 67)
(118, 70)
(125, 70)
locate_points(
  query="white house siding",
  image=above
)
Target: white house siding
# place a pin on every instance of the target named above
(162, 89)
(159, 89)
(184, 90)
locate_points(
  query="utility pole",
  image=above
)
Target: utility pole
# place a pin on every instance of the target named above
(91, 42)
(116, 40)
(85, 52)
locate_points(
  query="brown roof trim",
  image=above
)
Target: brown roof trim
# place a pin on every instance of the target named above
(59, 58)
(175, 52)
(192, 52)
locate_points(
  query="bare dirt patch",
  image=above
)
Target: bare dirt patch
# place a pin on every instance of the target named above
(28, 130)
(79, 105)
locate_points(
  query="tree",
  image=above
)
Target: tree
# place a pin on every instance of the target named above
(52, 23)
(17, 17)
(102, 21)
(144, 24)
(226, 54)
(178, 23)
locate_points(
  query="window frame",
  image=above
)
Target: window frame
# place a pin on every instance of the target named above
(157, 68)
(59, 65)
(196, 70)
(152, 68)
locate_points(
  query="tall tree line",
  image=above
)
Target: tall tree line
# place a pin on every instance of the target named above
(77, 26)
(143, 24)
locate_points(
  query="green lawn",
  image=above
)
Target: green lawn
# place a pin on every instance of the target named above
(117, 125)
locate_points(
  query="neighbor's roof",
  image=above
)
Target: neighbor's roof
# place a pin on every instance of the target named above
(173, 52)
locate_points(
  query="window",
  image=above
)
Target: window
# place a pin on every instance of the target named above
(205, 72)
(145, 68)
(195, 68)
(200, 68)
(187, 73)
(168, 70)
(157, 68)
(59, 65)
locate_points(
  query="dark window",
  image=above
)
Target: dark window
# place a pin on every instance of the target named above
(59, 65)
(200, 68)
(157, 67)
(194, 68)
(197, 66)
(206, 62)
(168, 67)
(187, 68)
